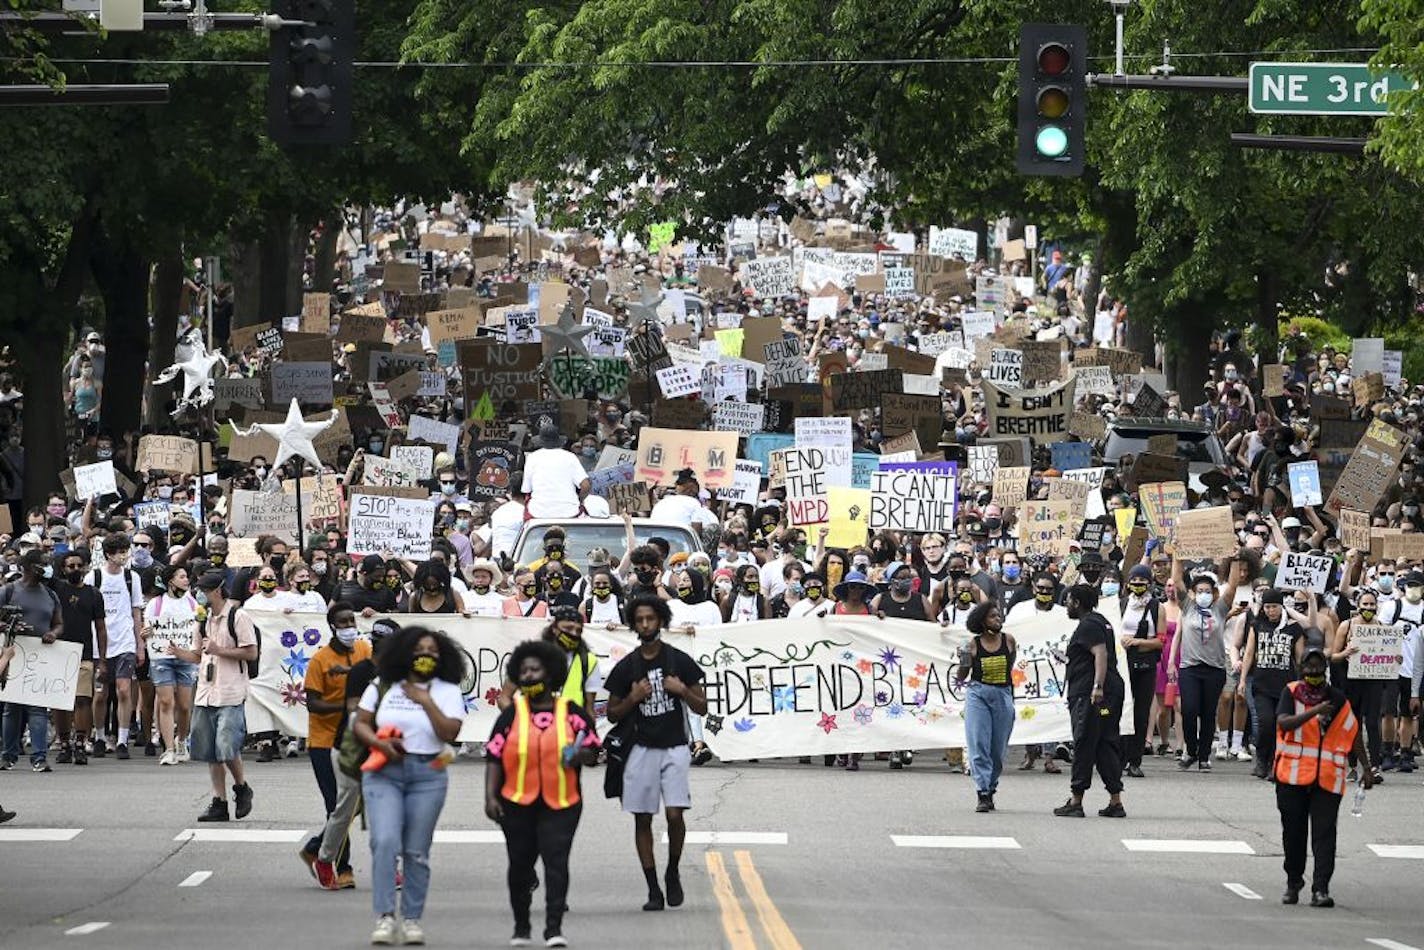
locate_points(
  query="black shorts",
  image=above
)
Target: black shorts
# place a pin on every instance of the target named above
(1403, 686)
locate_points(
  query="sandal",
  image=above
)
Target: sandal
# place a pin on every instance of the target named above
(1051, 767)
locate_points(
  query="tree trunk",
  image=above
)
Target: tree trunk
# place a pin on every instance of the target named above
(324, 269)
(167, 298)
(1268, 335)
(276, 251)
(122, 273)
(244, 271)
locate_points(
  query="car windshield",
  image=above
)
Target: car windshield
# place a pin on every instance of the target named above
(584, 537)
(1192, 446)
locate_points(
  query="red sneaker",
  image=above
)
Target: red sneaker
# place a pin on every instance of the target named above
(325, 874)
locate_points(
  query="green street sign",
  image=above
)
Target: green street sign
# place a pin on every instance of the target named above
(1323, 88)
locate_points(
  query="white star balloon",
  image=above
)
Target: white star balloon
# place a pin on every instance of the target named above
(567, 334)
(197, 370)
(294, 436)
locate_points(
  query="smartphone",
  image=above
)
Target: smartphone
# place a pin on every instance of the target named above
(208, 674)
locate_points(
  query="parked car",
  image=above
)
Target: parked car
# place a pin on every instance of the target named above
(585, 534)
(1197, 442)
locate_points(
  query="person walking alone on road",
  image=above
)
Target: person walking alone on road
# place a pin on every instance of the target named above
(987, 662)
(532, 781)
(1096, 709)
(1315, 733)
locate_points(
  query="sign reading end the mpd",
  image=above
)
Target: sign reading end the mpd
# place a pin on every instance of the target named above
(1323, 88)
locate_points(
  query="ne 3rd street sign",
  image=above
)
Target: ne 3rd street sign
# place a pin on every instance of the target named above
(1323, 88)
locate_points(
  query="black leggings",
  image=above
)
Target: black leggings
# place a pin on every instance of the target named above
(1144, 688)
(1367, 699)
(1199, 688)
(538, 832)
(1266, 698)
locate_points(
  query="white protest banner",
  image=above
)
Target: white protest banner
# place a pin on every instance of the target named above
(822, 308)
(784, 363)
(254, 513)
(91, 481)
(1094, 380)
(386, 472)
(900, 283)
(1367, 356)
(1379, 651)
(419, 460)
(1304, 571)
(1042, 414)
(953, 242)
(746, 484)
(421, 429)
(977, 323)
(679, 379)
(769, 277)
(814, 276)
(873, 361)
(1305, 484)
(43, 674)
(829, 686)
(612, 455)
(933, 344)
(1393, 367)
(1104, 327)
(385, 523)
(1005, 367)
(908, 498)
(744, 417)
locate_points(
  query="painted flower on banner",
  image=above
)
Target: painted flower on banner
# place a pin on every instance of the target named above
(921, 669)
(783, 699)
(744, 725)
(889, 657)
(312, 636)
(713, 724)
(1050, 688)
(881, 698)
(865, 666)
(294, 694)
(827, 723)
(921, 698)
(863, 715)
(471, 704)
(847, 656)
(1028, 712)
(895, 710)
(726, 658)
(1018, 676)
(913, 681)
(759, 681)
(295, 663)
(492, 695)
(289, 639)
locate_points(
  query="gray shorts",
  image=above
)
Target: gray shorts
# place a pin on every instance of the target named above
(657, 776)
(217, 733)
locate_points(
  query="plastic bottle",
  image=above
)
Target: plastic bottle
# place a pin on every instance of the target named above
(1358, 807)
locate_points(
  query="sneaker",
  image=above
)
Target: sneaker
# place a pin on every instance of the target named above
(168, 758)
(1352, 776)
(1133, 771)
(149, 750)
(1389, 763)
(1185, 764)
(309, 859)
(1260, 772)
(1163, 750)
(1292, 895)
(673, 882)
(655, 901)
(6, 765)
(323, 871)
(1241, 755)
(1204, 765)
(346, 880)
(983, 806)
(1112, 811)
(182, 750)
(1379, 779)
(80, 757)
(41, 766)
(411, 931)
(521, 938)
(387, 932)
(701, 755)
(242, 799)
(1062, 753)
(292, 750)
(121, 751)
(100, 749)
(65, 756)
(553, 937)
(1069, 809)
(1406, 764)
(895, 761)
(1222, 753)
(1321, 899)
(217, 811)
(992, 806)
(6, 815)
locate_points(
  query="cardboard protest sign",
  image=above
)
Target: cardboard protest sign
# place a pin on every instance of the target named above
(1379, 653)
(1094, 380)
(1070, 490)
(1041, 414)
(1354, 529)
(1042, 361)
(419, 460)
(1148, 403)
(1273, 379)
(509, 373)
(379, 523)
(1305, 484)
(572, 376)
(167, 453)
(1120, 362)
(357, 327)
(1367, 356)
(1304, 571)
(953, 242)
(1162, 502)
(746, 484)
(379, 470)
(1204, 534)
(1367, 388)
(316, 313)
(679, 413)
(1011, 485)
(785, 366)
(916, 496)
(858, 390)
(629, 497)
(1370, 470)
(251, 514)
(237, 391)
(662, 453)
(1088, 426)
(1148, 468)
(490, 466)
(1046, 527)
(1162, 443)
(462, 324)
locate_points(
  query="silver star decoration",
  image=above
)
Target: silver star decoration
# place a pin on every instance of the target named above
(197, 369)
(567, 334)
(294, 436)
(645, 309)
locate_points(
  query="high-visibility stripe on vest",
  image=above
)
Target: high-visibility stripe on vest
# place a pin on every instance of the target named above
(533, 759)
(574, 682)
(1306, 756)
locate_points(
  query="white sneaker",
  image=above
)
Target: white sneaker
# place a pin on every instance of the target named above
(1241, 755)
(414, 935)
(168, 758)
(387, 932)
(1222, 753)
(182, 750)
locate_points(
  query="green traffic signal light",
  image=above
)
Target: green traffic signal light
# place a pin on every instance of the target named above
(1051, 141)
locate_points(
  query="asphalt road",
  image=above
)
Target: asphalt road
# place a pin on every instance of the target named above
(800, 856)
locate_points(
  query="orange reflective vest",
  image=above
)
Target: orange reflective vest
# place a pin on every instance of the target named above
(533, 759)
(1306, 756)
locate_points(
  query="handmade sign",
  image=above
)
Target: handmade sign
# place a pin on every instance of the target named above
(386, 523)
(1379, 651)
(1305, 484)
(629, 498)
(1162, 502)
(769, 277)
(43, 674)
(1094, 380)
(1042, 361)
(309, 383)
(422, 429)
(804, 474)
(1005, 367)
(785, 366)
(1041, 414)
(1069, 455)
(745, 418)
(490, 465)
(1204, 534)
(1047, 527)
(918, 496)
(746, 484)
(859, 390)
(167, 453)
(509, 373)
(91, 481)
(1370, 470)
(1011, 485)
(1354, 529)
(1304, 571)
(662, 453)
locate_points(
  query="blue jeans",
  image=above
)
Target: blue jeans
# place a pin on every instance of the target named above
(988, 723)
(403, 803)
(16, 717)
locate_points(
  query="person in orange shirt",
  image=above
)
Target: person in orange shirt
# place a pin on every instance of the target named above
(326, 705)
(532, 782)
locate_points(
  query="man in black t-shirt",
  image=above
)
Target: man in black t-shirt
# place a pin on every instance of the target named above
(1095, 695)
(368, 594)
(82, 606)
(655, 686)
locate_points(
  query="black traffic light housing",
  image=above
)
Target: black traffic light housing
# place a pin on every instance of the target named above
(1053, 99)
(309, 89)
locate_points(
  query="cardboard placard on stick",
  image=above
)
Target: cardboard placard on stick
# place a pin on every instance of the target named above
(1205, 534)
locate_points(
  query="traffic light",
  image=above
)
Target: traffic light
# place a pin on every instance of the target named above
(1053, 99)
(311, 71)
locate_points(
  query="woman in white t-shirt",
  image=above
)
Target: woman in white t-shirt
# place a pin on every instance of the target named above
(301, 594)
(484, 599)
(170, 623)
(407, 720)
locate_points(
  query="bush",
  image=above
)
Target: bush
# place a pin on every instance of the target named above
(1319, 332)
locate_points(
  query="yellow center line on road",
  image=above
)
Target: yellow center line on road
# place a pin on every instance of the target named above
(772, 923)
(734, 922)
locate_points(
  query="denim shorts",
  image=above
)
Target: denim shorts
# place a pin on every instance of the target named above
(171, 671)
(217, 734)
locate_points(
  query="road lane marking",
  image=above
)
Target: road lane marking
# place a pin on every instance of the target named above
(469, 837)
(1242, 891)
(734, 921)
(965, 842)
(1389, 944)
(1186, 846)
(242, 835)
(83, 930)
(14, 835)
(195, 879)
(1408, 852)
(772, 923)
(733, 837)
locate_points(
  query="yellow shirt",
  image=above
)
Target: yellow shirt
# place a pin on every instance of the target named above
(330, 686)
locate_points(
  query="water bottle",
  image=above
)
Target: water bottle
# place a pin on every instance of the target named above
(1358, 807)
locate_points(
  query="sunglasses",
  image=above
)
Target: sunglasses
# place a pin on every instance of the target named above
(143, 544)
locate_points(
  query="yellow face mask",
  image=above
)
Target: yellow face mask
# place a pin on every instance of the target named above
(424, 666)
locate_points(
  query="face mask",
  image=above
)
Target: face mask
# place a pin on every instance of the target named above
(1204, 600)
(956, 573)
(1231, 374)
(1137, 590)
(1043, 598)
(319, 568)
(601, 592)
(303, 586)
(555, 554)
(901, 585)
(1367, 615)
(462, 524)
(966, 597)
(1110, 589)
(267, 586)
(75, 577)
(556, 582)
(1091, 574)
(752, 588)
(993, 524)
(646, 577)
(529, 590)
(834, 573)
(862, 565)
(424, 667)
(165, 492)
(346, 635)
(724, 587)
(795, 590)
(532, 690)
(179, 538)
(1385, 582)
(447, 488)
(260, 471)
(814, 593)
(1314, 680)
(278, 561)
(589, 451)
(56, 510)
(568, 641)
(47, 572)
(201, 597)
(1012, 572)
(142, 558)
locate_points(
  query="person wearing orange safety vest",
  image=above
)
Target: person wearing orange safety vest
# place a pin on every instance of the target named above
(1315, 732)
(532, 782)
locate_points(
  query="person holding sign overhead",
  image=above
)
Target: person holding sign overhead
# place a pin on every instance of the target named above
(1200, 648)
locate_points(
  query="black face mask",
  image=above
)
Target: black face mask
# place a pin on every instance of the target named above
(646, 577)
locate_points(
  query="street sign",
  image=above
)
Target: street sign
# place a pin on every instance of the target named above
(1323, 88)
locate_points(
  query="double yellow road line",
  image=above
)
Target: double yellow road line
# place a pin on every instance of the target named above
(734, 919)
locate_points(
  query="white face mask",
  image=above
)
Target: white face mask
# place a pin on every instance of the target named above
(1204, 600)
(1414, 594)
(346, 635)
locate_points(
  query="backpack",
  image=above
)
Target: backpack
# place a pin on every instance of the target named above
(54, 599)
(1139, 660)
(353, 751)
(252, 665)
